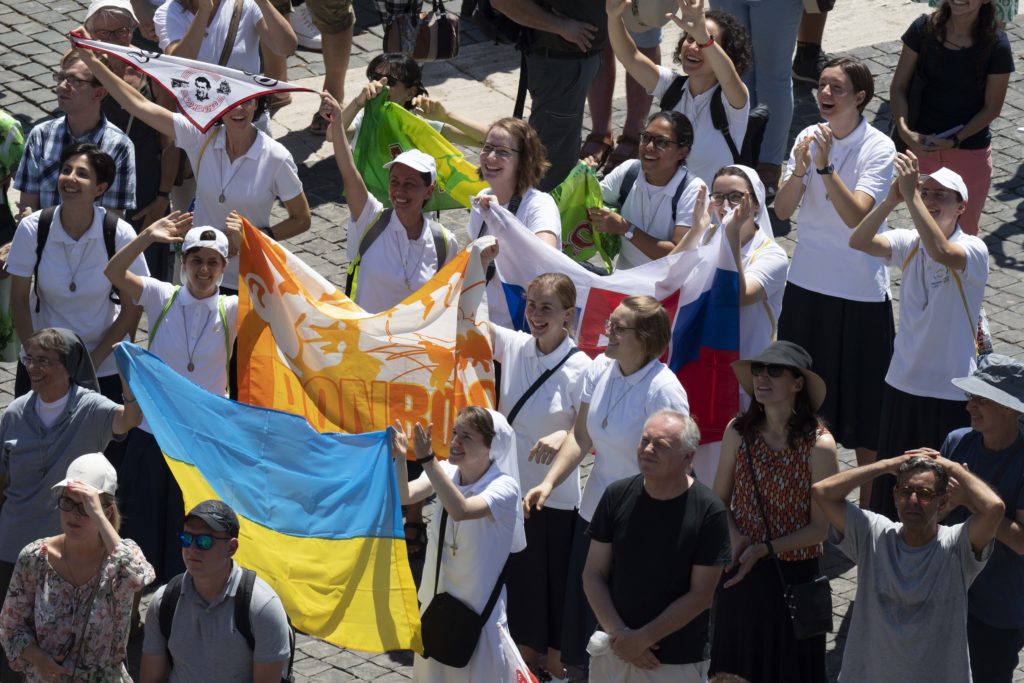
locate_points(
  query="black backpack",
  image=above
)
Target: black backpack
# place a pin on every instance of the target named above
(46, 219)
(757, 120)
(243, 599)
(629, 179)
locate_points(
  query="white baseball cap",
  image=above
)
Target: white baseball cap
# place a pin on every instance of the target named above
(950, 180)
(93, 469)
(96, 5)
(643, 15)
(194, 239)
(417, 161)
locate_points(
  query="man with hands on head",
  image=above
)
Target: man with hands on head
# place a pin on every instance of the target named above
(913, 575)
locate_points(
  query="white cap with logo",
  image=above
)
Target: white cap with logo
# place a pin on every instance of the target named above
(417, 161)
(194, 239)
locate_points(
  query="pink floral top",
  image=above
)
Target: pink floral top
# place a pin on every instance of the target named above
(43, 608)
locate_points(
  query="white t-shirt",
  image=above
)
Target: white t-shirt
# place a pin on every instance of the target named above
(172, 20)
(394, 266)
(710, 151)
(49, 413)
(88, 309)
(552, 407)
(250, 185)
(936, 335)
(649, 207)
(823, 261)
(537, 211)
(765, 262)
(619, 406)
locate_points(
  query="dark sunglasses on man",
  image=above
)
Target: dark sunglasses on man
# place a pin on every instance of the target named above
(202, 541)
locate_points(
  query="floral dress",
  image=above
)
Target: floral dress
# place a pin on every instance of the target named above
(44, 609)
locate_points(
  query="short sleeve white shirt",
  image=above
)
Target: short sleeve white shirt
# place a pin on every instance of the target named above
(537, 211)
(172, 20)
(191, 331)
(823, 261)
(936, 332)
(551, 408)
(649, 207)
(710, 151)
(251, 184)
(619, 406)
(766, 263)
(88, 309)
(394, 266)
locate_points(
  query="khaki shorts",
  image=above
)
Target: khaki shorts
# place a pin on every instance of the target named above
(330, 16)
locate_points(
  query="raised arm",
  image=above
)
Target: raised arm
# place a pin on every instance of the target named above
(985, 505)
(851, 205)
(189, 44)
(134, 102)
(637, 65)
(355, 188)
(458, 506)
(275, 31)
(865, 236)
(129, 415)
(693, 22)
(791, 192)
(170, 229)
(830, 493)
(934, 241)
(457, 128)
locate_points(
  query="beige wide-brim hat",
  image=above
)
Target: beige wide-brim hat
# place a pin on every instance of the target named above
(792, 356)
(643, 15)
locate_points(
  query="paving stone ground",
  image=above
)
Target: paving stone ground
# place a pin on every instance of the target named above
(482, 83)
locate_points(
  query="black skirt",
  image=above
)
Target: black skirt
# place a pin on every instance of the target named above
(578, 620)
(909, 422)
(753, 636)
(850, 343)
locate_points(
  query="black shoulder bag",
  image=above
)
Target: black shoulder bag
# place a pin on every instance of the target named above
(451, 628)
(810, 603)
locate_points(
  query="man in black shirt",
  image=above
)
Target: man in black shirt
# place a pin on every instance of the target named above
(659, 542)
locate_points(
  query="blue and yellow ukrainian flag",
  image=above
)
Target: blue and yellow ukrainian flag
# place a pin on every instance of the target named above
(320, 515)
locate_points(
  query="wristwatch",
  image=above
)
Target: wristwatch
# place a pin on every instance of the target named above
(826, 171)
(628, 235)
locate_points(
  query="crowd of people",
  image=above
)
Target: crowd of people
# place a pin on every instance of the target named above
(677, 560)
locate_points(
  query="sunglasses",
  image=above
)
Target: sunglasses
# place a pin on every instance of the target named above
(775, 371)
(202, 541)
(924, 494)
(391, 80)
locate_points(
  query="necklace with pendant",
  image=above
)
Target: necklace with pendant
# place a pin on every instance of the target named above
(224, 186)
(192, 351)
(454, 545)
(415, 262)
(73, 285)
(615, 404)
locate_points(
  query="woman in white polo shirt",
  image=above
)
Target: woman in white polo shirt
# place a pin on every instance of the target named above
(837, 304)
(542, 416)
(238, 168)
(191, 328)
(386, 267)
(656, 207)
(943, 285)
(622, 388)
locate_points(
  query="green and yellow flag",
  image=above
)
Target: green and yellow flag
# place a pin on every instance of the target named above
(387, 131)
(577, 193)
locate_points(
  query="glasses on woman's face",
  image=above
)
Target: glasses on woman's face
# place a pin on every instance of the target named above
(731, 197)
(202, 541)
(615, 328)
(498, 151)
(38, 361)
(660, 142)
(391, 80)
(774, 371)
(67, 505)
(122, 33)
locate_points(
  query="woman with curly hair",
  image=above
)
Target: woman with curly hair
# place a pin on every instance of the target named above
(713, 52)
(957, 49)
(771, 454)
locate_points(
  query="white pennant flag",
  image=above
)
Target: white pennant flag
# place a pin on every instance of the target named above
(204, 91)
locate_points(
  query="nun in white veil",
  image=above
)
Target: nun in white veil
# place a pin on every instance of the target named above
(479, 487)
(736, 204)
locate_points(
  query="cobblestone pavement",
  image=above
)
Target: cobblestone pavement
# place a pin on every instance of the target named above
(482, 83)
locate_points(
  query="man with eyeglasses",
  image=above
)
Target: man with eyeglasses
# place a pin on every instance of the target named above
(909, 620)
(80, 97)
(204, 641)
(993, 448)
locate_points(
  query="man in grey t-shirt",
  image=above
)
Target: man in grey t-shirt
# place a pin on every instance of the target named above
(205, 644)
(909, 618)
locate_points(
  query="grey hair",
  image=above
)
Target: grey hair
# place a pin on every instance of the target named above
(115, 12)
(921, 462)
(689, 434)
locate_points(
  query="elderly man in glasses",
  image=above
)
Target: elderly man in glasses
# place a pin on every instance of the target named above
(912, 575)
(992, 448)
(196, 637)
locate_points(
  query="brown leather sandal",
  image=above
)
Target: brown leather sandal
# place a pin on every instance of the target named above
(598, 147)
(626, 147)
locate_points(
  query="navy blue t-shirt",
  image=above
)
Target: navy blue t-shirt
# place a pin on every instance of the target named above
(954, 92)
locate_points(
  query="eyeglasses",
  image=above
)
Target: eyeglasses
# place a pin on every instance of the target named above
(938, 195)
(67, 505)
(731, 197)
(202, 541)
(122, 33)
(924, 494)
(38, 361)
(391, 80)
(73, 81)
(980, 400)
(500, 152)
(773, 370)
(615, 328)
(660, 142)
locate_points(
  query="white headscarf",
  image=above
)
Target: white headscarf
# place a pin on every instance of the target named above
(761, 220)
(503, 454)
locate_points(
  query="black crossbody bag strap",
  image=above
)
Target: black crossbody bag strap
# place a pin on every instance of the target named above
(536, 385)
(764, 516)
(437, 571)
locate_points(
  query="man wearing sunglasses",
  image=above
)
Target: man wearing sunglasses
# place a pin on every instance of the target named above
(203, 633)
(912, 575)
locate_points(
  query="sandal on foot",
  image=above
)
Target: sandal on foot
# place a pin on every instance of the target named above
(416, 542)
(597, 147)
(626, 147)
(319, 125)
